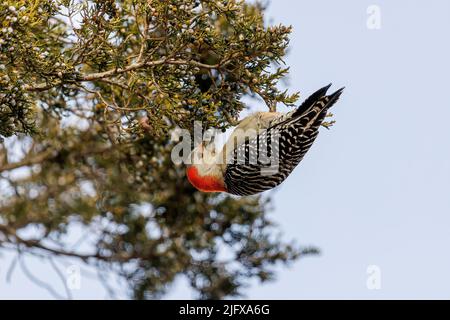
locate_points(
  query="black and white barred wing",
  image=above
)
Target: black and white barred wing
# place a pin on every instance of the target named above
(265, 161)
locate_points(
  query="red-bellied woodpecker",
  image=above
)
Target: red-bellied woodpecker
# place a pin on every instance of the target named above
(262, 150)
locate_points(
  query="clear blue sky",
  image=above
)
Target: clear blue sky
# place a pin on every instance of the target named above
(375, 189)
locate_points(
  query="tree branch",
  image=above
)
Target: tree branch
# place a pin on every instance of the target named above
(38, 158)
(47, 155)
(131, 67)
(8, 231)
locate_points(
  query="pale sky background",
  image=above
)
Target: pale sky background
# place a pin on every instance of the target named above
(374, 190)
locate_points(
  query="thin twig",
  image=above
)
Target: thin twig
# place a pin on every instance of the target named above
(11, 268)
(37, 281)
(61, 276)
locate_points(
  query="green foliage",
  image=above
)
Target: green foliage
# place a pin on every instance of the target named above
(90, 90)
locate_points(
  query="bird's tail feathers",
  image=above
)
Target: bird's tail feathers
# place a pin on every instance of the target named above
(309, 103)
(318, 99)
(333, 98)
(316, 114)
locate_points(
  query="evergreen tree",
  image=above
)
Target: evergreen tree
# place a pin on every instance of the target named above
(90, 92)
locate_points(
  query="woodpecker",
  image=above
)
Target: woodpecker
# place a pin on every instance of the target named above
(242, 166)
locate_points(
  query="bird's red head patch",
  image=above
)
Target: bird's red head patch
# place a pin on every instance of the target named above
(204, 183)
